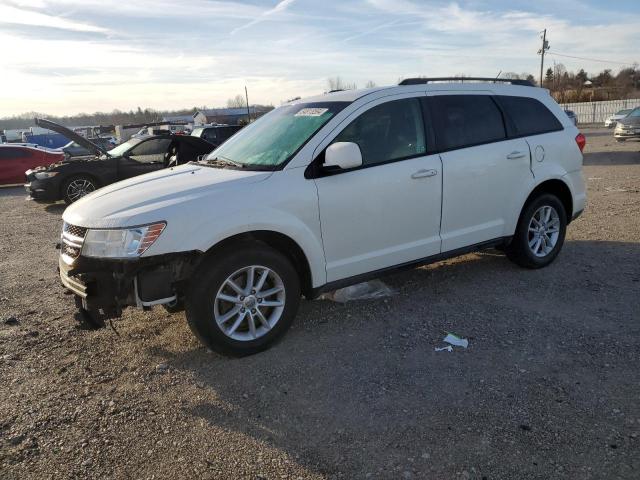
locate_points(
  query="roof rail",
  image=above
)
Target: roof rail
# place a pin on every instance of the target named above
(421, 81)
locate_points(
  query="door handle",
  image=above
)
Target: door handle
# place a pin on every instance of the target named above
(515, 155)
(424, 173)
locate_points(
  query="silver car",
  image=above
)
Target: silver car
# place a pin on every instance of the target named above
(628, 127)
(611, 120)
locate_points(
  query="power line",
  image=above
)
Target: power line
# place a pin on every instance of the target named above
(590, 59)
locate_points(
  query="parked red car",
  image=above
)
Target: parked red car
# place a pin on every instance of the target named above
(16, 159)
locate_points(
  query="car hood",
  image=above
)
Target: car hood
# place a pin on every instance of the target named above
(67, 160)
(151, 197)
(629, 121)
(71, 135)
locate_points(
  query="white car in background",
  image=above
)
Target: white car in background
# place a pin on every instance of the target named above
(325, 192)
(611, 121)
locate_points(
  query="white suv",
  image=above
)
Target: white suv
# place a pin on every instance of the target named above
(325, 192)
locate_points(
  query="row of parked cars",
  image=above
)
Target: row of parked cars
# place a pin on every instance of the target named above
(84, 165)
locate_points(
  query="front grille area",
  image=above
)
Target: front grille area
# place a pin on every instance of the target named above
(70, 252)
(74, 230)
(72, 240)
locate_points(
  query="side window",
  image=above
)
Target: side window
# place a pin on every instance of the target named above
(529, 116)
(466, 120)
(390, 131)
(149, 151)
(210, 134)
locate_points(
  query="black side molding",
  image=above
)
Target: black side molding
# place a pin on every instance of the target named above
(345, 282)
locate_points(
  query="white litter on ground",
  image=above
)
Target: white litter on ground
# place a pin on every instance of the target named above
(448, 348)
(359, 291)
(456, 340)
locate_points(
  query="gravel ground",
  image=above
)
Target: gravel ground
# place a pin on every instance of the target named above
(548, 387)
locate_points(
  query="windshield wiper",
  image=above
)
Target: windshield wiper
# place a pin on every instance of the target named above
(225, 162)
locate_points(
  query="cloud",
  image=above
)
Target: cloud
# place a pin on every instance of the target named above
(14, 15)
(151, 53)
(281, 6)
(382, 26)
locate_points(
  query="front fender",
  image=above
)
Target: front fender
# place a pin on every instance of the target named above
(284, 203)
(282, 223)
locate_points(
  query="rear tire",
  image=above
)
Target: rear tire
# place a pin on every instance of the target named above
(232, 309)
(76, 187)
(540, 232)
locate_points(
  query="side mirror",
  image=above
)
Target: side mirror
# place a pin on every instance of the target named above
(343, 155)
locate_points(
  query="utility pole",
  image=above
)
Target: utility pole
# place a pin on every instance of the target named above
(545, 47)
(248, 112)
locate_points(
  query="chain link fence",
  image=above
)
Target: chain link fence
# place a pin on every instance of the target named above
(597, 112)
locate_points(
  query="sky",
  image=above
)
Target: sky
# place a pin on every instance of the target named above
(71, 56)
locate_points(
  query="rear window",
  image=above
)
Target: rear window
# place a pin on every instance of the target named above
(466, 120)
(209, 134)
(529, 116)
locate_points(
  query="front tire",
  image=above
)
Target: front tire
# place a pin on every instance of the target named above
(540, 232)
(243, 299)
(77, 187)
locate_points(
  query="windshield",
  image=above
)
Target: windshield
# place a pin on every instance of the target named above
(623, 112)
(274, 138)
(635, 113)
(120, 149)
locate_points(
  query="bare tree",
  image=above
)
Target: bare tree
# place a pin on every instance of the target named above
(336, 83)
(237, 102)
(370, 84)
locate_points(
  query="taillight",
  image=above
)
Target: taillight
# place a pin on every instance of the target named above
(581, 140)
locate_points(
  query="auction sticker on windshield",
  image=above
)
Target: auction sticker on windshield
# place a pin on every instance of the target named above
(311, 112)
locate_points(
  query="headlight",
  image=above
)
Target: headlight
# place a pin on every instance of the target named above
(121, 243)
(43, 175)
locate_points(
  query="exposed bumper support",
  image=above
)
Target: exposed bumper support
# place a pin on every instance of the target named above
(104, 287)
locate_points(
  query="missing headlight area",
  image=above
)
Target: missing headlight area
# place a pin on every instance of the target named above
(104, 287)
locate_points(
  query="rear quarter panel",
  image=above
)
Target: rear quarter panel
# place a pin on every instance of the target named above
(556, 155)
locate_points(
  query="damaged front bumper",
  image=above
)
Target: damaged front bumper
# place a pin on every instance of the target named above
(45, 190)
(104, 287)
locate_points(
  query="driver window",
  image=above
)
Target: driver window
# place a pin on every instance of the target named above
(153, 150)
(390, 131)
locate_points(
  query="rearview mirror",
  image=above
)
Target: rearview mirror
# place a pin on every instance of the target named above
(343, 155)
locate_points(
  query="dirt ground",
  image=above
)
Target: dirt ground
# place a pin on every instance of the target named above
(548, 387)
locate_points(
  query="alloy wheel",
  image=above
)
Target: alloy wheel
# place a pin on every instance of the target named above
(79, 188)
(544, 230)
(249, 303)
